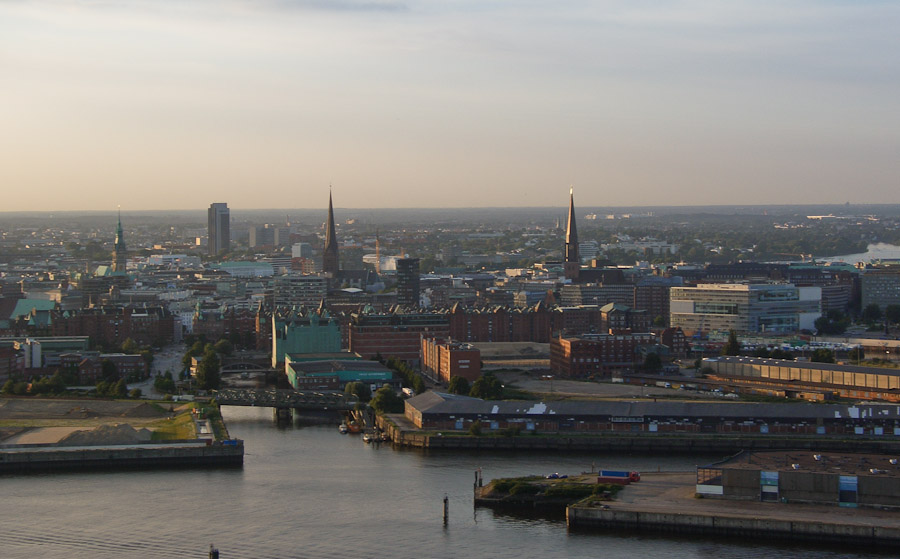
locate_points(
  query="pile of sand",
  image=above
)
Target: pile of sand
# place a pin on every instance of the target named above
(121, 433)
(144, 410)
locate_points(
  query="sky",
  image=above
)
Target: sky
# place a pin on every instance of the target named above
(175, 104)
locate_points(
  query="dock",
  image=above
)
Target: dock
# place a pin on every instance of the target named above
(41, 458)
(665, 503)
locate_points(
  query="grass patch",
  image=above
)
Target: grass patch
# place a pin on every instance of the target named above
(179, 427)
(525, 488)
(571, 490)
(505, 485)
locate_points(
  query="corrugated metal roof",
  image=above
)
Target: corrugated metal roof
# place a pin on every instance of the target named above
(812, 365)
(439, 403)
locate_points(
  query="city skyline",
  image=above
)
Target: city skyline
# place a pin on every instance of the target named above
(417, 105)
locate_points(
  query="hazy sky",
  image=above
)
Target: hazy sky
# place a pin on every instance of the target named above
(160, 104)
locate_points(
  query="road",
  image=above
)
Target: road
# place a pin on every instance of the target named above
(167, 359)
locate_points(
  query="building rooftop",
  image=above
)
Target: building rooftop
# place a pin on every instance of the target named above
(25, 306)
(336, 366)
(440, 403)
(805, 365)
(814, 462)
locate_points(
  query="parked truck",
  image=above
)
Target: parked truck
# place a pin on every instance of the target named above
(619, 477)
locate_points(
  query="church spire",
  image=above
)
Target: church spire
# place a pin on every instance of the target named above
(119, 250)
(330, 253)
(572, 263)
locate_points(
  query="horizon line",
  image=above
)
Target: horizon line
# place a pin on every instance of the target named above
(444, 208)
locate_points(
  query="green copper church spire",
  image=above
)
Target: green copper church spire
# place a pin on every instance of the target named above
(120, 250)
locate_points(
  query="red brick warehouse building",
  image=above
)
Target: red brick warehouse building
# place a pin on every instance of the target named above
(444, 358)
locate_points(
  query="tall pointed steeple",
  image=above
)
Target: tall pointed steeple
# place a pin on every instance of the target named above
(330, 261)
(572, 263)
(119, 255)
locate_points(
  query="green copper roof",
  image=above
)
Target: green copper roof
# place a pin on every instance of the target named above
(24, 306)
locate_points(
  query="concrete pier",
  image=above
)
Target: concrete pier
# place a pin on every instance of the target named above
(46, 458)
(664, 503)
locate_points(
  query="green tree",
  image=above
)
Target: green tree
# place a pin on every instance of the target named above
(148, 358)
(8, 387)
(652, 362)
(872, 313)
(130, 347)
(418, 385)
(135, 393)
(387, 401)
(360, 390)
(475, 429)
(856, 354)
(822, 355)
(164, 383)
(779, 353)
(108, 371)
(458, 385)
(102, 388)
(208, 377)
(659, 321)
(892, 313)
(224, 347)
(833, 323)
(187, 360)
(732, 346)
(197, 348)
(57, 383)
(488, 387)
(762, 352)
(119, 389)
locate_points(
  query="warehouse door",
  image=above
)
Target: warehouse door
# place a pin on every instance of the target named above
(768, 486)
(847, 491)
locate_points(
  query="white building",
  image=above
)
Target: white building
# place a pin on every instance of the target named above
(765, 307)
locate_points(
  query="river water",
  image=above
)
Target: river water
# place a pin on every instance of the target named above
(874, 252)
(309, 492)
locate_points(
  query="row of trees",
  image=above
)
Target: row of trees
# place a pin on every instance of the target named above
(835, 322)
(488, 387)
(385, 400)
(411, 378)
(55, 385)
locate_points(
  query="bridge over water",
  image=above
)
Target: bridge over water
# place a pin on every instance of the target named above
(286, 399)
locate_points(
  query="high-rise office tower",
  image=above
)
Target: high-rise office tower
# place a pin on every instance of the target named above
(219, 228)
(330, 261)
(572, 265)
(408, 282)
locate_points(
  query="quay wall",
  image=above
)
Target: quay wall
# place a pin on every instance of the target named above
(580, 517)
(163, 455)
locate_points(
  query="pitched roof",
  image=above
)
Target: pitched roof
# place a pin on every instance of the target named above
(25, 306)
